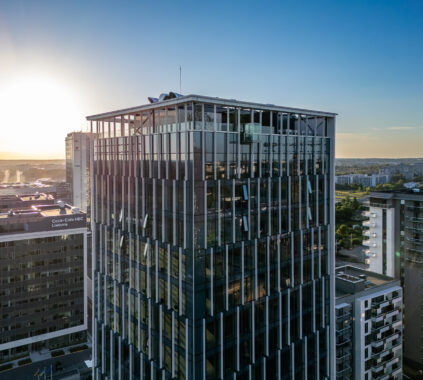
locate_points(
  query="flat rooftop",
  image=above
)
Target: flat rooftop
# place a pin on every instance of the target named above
(211, 100)
(24, 201)
(42, 211)
(39, 218)
(406, 194)
(351, 280)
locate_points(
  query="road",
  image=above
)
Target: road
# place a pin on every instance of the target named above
(69, 362)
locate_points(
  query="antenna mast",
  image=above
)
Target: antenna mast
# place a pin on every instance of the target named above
(180, 79)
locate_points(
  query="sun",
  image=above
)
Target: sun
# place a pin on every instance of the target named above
(37, 111)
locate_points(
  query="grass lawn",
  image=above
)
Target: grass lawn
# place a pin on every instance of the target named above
(341, 194)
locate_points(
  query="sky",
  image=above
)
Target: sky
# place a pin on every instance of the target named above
(63, 60)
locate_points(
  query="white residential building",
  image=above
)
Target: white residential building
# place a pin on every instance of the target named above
(379, 241)
(78, 168)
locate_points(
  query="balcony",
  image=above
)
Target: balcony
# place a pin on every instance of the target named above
(417, 241)
(392, 313)
(369, 234)
(418, 227)
(342, 355)
(369, 224)
(397, 373)
(380, 330)
(345, 341)
(392, 361)
(369, 243)
(377, 318)
(377, 371)
(383, 350)
(387, 336)
(397, 324)
(344, 374)
(414, 250)
(369, 214)
(396, 300)
(412, 207)
(414, 219)
(393, 345)
(378, 306)
(369, 253)
(396, 348)
(344, 331)
(392, 337)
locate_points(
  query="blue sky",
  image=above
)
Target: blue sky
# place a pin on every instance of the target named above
(361, 59)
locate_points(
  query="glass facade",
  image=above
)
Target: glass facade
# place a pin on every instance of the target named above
(344, 341)
(411, 254)
(213, 242)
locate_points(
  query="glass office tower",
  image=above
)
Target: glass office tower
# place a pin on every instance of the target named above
(213, 233)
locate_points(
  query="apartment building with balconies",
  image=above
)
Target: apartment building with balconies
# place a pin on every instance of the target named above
(394, 246)
(368, 316)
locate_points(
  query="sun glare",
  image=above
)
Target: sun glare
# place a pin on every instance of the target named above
(37, 111)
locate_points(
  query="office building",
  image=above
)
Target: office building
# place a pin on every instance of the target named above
(78, 179)
(78, 168)
(368, 325)
(42, 290)
(213, 227)
(395, 247)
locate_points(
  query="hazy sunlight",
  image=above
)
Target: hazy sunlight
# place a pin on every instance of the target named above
(38, 109)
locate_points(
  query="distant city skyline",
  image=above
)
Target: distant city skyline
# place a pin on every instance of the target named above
(62, 61)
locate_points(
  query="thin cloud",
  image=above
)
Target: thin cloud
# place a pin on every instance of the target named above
(401, 128)
(354, 136)
(346, 135)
